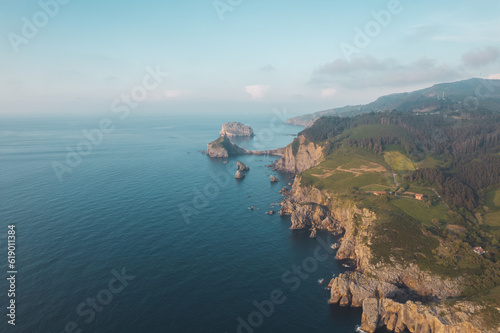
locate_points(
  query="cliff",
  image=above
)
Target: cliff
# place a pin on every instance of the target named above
(299, 156)
(311, 208)
(416, 317)
(390, 293)
(223, 148)
(236, 129)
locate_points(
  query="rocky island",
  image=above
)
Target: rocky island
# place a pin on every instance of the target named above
(241, 168)
(224, 148)
(236, 129)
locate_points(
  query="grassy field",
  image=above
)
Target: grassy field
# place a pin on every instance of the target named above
(493, 199)
(398, 161)
(492, 218)
(419, 211)
(428, 162)
(397, 235)
(348, 168)
(377, 187)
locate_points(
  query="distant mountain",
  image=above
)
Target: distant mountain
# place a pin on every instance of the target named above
(455, 99)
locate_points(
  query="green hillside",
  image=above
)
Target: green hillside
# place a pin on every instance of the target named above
(432, 180)
(453, 99)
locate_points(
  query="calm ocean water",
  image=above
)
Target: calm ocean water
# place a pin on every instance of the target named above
(120, 213)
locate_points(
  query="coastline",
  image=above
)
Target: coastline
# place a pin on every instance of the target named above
(392, 296)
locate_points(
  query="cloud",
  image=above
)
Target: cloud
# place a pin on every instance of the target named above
(478, 58)
(494, 76)
(367, 71)
(328, 92)
(257, 91)
(268, 68)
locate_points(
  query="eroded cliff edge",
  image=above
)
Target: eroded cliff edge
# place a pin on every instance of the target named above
(393, 295)
(299, 156)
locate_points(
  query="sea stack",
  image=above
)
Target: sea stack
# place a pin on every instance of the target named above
(223, 148)
(236, 129)
(239, 174)
(274, 179)
(241, 166)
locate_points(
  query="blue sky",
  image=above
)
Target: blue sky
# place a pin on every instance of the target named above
(262, 54)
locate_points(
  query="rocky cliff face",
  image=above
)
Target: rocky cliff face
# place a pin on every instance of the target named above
(354, 288)
(236, 129)
(301, 121)
(223, 148)
(415, 317)
(309, 207)
(240, 166)
(389, 294)
(305, 157)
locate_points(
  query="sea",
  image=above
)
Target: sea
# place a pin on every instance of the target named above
(123, 225)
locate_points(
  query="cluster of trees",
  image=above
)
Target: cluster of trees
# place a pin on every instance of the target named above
(443, 136)
(480, 172)
(326, 128)
(452, 189)
(468, 139)
(377, 143)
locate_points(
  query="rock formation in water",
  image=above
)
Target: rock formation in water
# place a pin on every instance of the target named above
(273, 179)
(236, 129)
(223, 148)
(241, 166)
(239, 174)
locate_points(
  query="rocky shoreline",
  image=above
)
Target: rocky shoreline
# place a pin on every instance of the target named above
(392, 296)
(398, 298)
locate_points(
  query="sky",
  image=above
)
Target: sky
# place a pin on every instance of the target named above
(64, 56)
